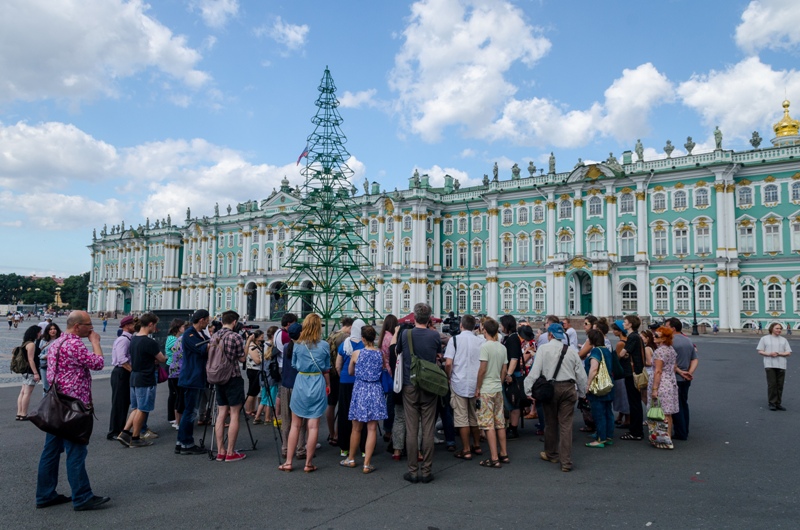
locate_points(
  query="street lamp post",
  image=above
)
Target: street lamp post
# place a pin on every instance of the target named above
(374, 281)
(694, 268)
(458, 276)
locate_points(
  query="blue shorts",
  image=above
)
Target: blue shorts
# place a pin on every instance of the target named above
(143, 398)
(268, 400)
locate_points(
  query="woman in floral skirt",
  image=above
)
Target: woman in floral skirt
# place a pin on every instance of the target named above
(665, 387)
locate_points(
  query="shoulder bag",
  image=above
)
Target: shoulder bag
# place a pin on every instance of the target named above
(641, 379)
(543, 389)
(398, 372)
(62, 415)
(602, 383)
(426, 375)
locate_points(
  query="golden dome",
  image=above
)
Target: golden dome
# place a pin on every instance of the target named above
(787, 126)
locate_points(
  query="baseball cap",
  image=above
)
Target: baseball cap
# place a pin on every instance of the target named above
(294, 331)
(621, 327)
(125, 321)
(199, 315)
(556, 330)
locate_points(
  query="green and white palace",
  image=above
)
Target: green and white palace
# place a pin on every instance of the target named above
(604, 238)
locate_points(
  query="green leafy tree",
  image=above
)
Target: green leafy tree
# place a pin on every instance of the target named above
(75, 291)
(12, 287)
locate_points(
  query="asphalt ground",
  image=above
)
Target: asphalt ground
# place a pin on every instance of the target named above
(738, 470)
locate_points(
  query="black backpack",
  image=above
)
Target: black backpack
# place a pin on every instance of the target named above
(19, 359)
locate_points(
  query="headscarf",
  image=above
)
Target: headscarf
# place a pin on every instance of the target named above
(355, 336)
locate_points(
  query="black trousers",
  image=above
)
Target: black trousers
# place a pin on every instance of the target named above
(344, 425)
(172, 400)
(120, 400)
(635, 404)
(680, 421)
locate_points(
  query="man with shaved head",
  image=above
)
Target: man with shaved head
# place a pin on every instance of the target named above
(68, 365)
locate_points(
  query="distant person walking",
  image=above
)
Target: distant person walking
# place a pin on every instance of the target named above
(31, 376)
(775, 350)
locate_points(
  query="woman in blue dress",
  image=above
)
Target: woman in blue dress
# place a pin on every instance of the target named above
(368, 404)
(311, 358)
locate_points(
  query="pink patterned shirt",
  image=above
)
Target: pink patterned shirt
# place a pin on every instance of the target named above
(74, 363)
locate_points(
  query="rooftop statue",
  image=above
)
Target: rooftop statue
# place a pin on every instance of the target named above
(94, 233)
(105, 230)
(366, 186)
(147, 222)
(689, 145)
(669, 148)
(531, 168)
(515, 172)
(552, 164)
(229, 207)
(494, 171)
(755, 141)
(216, 209)
(169, 220)
(718, 138)
(639, 151)
(188, 213)
(485, 179)
(579, 164)
(456, 184)
(158, 224)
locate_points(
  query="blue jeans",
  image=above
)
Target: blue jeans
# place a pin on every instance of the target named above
(603, 415)
(680, 421)
(446, 413)
(76, 471)
(45, 384)
(540, 413)
(191, 400)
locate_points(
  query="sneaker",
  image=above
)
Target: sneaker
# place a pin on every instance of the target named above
(176, 426)
(92, 504)
(193, 450)
(277, 423)
(140, 443)
(221, 457)
(437, 441)
(235, 456)
(177, 449)
(512, 435)
(124, 438)
(343, 453)
(149, 435)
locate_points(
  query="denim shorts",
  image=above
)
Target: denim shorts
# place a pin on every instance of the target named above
(27, 380)
(143, 398)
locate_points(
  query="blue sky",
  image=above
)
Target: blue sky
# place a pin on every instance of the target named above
(116, 110)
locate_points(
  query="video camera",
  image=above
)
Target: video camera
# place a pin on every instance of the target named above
(245, 330)
(452, 324)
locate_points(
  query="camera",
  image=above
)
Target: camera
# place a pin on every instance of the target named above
(452, 324)
(245, 330)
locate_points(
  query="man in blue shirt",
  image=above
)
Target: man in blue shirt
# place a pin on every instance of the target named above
(192, 380)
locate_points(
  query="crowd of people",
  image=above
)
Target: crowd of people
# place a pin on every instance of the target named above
(361, 379)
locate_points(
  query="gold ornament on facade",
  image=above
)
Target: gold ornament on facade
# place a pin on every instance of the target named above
(640, 195)
(521, 202)
(786, 126)
(626, 190)
(610, 199)
(551, 205)
(679, 186)
(491, 279)
(564, 197)
(506, 205)
(578, 263)
(578, 203)
(659, 188)
(700, 184)
(492, 211)
(559, 274)
(744, 182)
(730, 188)
(593, 173)
(769, 178)
(771, 221)
(722, 273)
(719, 187)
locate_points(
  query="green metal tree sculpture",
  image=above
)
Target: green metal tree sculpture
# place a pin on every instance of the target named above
(326, 257)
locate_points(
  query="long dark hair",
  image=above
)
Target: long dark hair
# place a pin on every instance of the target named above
(46, 334)
(175, 326)
(389, 326)
(32, 333)
(509, 324)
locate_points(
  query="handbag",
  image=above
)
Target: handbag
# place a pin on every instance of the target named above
(426, 375)
(62, 415)
(163, 373)
(655, 412)
(641, 380)
(602, 383)
(386, 381)
(398, 374)
(543, 389)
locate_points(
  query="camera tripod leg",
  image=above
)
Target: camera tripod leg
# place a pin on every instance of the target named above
(276, 430)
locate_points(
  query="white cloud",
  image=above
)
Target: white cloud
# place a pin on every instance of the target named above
(78, 49)
(450, 69)
(364, 98)
(216, 13)
(769, 24)
(292, 36)
(467, 153)
(741, 97)
(56, 211)
(437, 173)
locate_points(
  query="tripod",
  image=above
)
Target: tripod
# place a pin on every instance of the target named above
(276, 431)
(211, 412)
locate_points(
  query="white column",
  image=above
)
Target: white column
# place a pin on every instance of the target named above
(262, 236)
(730, 228)
(549, 292)
(611, 223)
(720, 225)
(381, 240)
(642, 230)
(437, 246)
(187, 249)
(492, 296)
(559, 293)
(642, 290)
(579, 235)
(398, 243)
(734, 301)
(276, 265)
(492, 260)
(204, 255)
(722, 289)
(551, 229)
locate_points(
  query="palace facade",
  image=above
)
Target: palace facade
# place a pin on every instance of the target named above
(605, 238)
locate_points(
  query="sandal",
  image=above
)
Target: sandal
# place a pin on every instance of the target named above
(503, 459)
(596, 444)
(285, 467)
(20, 418)
(464, 455)
(332, 441)
(477, 449)
(490, 463)
(368, 469)
(347, 463)
(309, 468)
(629, 436)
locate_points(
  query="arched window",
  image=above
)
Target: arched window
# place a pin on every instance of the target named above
(659, 201)
(239, 264)
(373, 226)
(230, 264)
(538, 213)
(523, 250)
(745, 196)
(269, 261)
(662, 298)
(679, 200)
(627, 244)
(682, 302)
(477, 301)
(448, 299)
(389, 224)
(218, 299)
(522, 215)
(771, 193)
(373, 254)
(700, 197)
(448, 256)
(406, 299)
(565, 209)
(462, 225)
(477, 223)
(775, 298)
(796, 191)
(538, 299)
(797, 298)
(626, 203)
(448, 226)
(281, 262)
(406, 253)
(748, 298)
(407, 223)
(565, 244)
(387, 258)
(429, 224)
(270, 235)
(523, 300)
(387, 299)
(429, 253)
(596, 242)
(508, 251)
(254, 261)
(595, 206)
(508, 300)
(702, 240)
(681, 241)
(629, 300)
(477, 255)
(228, 298)
(462, 300)
(462, 255)
(538, 247)
(508, 216)
(704, 302)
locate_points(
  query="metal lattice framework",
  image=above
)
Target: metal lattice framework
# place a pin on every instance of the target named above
(327, 257)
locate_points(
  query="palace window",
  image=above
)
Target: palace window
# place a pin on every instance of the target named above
(747, 244)
(269, 261)
(679, 200)
(565, 244)
(220, 263)
(626, 203)
(373, 254)
(388, 255)
(462, 225)
(254, 261)
(477, 301)
(595, 206)
(775, 298)
(682, 302)
(281, 234)
(230, 240)
(771, 193)
(701, 197)
(390, 224)
(508, 300)
(748, 298)
(448, 257)
(462, 256)
(772, 238)
(239, 262)
(795, 236)
(406, 299)
(660, 201)
(508, 216)
(662, 298)
(704, 297)
(448, 226)
(462, 300)
(659, 242)
(523, 300)
(255, 236)
(702, 240)
(523, 250)
(522, 215)
(429, 224)
(629, 304)
(627, 240)
(477, 223)
(230, 265)
(406, 253)
(477, 255)
(797, 298)
(448, 300)
(373, 226)
(681, 241)
(228, 299)
(270, 234)
(796, 191)
(565, 209)
(538, 213)
(538, 299)
(538, 248)
(239, 238)
(508, 251)
(745, 196)
(387, 299)
(595, 242)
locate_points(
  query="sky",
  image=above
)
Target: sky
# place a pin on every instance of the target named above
(115, 110)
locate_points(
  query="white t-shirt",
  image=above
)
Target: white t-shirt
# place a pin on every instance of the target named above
(466, 357)
(770, 344)
(572, 338)
(279, 345)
